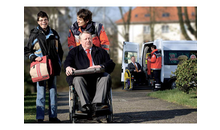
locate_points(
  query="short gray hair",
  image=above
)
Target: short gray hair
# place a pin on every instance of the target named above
(87, 32)
(132, 56)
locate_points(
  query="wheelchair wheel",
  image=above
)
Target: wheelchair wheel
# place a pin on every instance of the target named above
(128, 80)
(132, 85)
(109, 117)
(72, 105)
(129, 86)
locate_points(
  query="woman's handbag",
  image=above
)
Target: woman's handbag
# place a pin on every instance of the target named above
(42, 70)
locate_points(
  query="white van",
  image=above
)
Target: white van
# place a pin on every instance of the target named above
(170, 50)
(129, 49)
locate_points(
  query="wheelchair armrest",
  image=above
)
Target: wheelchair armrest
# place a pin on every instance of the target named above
(88, 71)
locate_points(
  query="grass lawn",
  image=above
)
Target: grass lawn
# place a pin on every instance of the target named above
(30, 107)
(176, 96)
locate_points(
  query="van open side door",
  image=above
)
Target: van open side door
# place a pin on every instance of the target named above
(146, 50)
(129, 49)
(159, 44)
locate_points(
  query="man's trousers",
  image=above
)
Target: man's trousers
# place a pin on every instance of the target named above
(92, 88)
(156, 75)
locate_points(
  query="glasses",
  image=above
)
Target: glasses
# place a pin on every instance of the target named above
(42, 20)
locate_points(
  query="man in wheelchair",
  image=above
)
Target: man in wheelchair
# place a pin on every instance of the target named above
(92, 89)
(136, 70)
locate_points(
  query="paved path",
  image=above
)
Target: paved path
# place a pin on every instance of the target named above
(135, 107)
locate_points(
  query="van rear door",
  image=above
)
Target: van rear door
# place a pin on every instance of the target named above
(159, 44)
(129, 49)
(146, 50)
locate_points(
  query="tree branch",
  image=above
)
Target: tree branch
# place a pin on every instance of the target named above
(190, 28)
(182, 24)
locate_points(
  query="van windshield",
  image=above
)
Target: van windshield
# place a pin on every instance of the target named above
(128, 55)
(171, 57)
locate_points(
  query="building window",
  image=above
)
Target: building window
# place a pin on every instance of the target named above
(193, 14)
(165, 29)
(146, 29)
(165, 14)
(147, 15)
(136, 15)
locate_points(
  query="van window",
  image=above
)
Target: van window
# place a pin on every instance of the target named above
(171, 57)
(128, 55)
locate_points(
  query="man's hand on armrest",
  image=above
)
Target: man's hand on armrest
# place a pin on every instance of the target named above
(69, 70)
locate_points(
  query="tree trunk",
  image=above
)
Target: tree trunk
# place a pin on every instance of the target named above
(182, 24)
(190, 28)
(152, 22)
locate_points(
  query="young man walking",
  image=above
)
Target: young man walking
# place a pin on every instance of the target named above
(43, 41)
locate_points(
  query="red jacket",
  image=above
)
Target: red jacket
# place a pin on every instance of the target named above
(156, 60)
(99, 37)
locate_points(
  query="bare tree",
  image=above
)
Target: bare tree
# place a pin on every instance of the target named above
(126, 23)
(190, 28)
(152, 22)
(187, 21)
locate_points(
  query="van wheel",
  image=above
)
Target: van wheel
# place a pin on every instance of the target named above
(173, 84)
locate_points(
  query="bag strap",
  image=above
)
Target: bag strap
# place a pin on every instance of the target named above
(47, 50)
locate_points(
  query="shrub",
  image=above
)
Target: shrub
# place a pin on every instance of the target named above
(186, 75)
(182, 58)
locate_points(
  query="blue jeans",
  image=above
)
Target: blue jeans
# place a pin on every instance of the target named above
(41, 95)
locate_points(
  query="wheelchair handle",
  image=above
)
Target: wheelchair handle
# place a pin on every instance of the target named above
(88, 71)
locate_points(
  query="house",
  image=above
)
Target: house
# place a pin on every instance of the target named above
(164, 22)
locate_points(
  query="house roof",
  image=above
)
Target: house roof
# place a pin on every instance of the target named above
(162, 14)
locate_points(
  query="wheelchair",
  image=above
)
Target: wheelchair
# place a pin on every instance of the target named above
(128, 80)
(75, 105)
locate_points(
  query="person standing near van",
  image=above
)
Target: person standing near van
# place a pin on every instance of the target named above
(156, 60)
(43, 40)
(84, 23)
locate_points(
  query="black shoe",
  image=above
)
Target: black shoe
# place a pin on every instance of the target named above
(86, 109)
(40, 121)
(54, 120)
(100, 105)
(100, 109)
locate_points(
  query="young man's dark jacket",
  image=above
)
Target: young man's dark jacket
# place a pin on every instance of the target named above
(77, 58)
(47, 45)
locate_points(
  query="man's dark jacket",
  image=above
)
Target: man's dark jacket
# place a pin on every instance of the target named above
(131, 67)
(77, 58)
